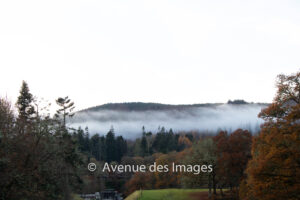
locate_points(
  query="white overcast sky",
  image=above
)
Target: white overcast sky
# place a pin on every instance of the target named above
(173, 52)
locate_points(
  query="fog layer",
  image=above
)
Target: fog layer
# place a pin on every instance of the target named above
(204, 119)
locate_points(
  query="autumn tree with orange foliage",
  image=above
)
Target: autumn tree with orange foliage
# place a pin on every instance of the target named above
(233, 154)
(274, 171)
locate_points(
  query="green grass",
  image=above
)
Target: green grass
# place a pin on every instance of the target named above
(76, 197)
(164, 194)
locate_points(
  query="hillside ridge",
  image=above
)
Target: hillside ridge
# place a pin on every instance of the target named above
(146, 106)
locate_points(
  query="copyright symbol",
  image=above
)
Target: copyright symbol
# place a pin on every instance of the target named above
(92, 167)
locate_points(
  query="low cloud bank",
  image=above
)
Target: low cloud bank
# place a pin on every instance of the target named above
(204, 119)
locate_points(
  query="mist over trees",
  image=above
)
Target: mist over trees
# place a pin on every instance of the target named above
(128, 120)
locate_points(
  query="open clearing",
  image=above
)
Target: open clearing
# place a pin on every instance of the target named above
(166, 194)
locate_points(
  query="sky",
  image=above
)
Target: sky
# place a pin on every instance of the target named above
(176, 52)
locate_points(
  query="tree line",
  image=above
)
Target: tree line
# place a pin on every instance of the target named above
(110, 147)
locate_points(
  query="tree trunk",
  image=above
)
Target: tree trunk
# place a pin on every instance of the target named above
(209, 186)
(214, 182)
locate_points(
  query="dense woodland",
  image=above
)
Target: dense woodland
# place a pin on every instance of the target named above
(41, 157)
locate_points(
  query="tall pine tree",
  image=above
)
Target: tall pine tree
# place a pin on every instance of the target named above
(110, 145)
(25, 107)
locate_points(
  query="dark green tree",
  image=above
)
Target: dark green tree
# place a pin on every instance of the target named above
(170, 139)
(95, 146)
(25, 107)
(144, 146)
(121, 148)
(149, 141)
(110, 145)
(87, 140)
(102, 148)
(80, 139)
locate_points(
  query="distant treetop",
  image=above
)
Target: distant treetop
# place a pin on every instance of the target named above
(237, 101)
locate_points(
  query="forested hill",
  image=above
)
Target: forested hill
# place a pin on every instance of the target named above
(140, 106)
(129, 118)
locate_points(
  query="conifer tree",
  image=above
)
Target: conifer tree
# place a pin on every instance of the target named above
(121, 148)
(25, 107)
(110, 145)
(144, 146)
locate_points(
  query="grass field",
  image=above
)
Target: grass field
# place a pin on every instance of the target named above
(76, 197)
(165, 194)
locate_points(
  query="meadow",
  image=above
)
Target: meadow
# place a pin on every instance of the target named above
(164, 194)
